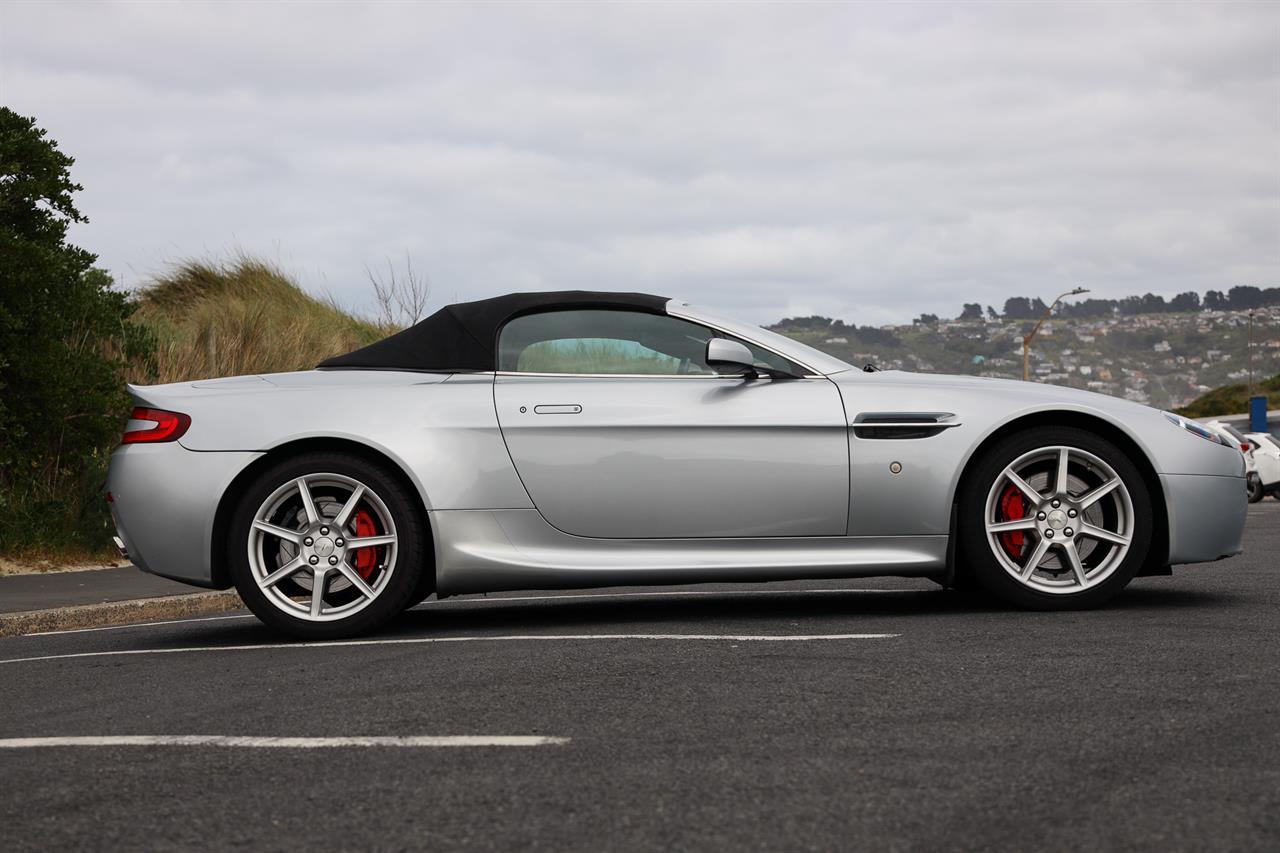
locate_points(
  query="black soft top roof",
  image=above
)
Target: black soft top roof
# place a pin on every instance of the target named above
(465, 336)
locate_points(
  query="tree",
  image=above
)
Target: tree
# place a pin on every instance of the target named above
(1150, 303)
(812, 323)
(972, 311)
(926, 320)
(1215, 301)
(1017, 308)
(65, 340)
(991, 313)
(1022, 308)
(1131, 305)
(1244, 297)
(401, 298)
(875, 337)
(1188, 301)
(1088, 308)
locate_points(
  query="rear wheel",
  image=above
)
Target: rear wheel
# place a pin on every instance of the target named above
(327, 545)
(1253, 485)
(1054, 518)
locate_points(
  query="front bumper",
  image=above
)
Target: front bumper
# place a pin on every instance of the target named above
(163, 501)
(1206, 516)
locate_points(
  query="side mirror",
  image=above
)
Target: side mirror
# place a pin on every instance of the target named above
(722, 352)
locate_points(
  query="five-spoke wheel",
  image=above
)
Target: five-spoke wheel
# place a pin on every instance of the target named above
(1055, 517)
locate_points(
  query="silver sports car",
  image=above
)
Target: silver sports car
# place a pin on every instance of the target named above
(579, 439)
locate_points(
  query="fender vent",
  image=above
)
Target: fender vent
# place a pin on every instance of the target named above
(897, 426)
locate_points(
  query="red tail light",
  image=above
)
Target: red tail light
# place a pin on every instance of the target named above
(164, 426)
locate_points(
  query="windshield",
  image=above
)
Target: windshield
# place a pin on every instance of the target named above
(1236, 434)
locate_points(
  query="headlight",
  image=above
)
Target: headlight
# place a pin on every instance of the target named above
(1196, 429)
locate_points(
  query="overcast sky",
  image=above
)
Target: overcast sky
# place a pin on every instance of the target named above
(862, 161)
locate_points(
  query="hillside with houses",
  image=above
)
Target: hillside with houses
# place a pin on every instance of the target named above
(1162, 359)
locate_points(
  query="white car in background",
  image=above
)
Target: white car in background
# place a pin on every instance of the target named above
(1266, 460)
(1255, 484)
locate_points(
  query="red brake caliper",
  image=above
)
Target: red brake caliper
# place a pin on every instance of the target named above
(1012, 507)
(366, 558)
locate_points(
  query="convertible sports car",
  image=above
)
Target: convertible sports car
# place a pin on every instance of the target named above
(581, 439)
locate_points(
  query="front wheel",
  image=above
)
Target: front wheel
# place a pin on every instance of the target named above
(327, 545)
(1054, 518)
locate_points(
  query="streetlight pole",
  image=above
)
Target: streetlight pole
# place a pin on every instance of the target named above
(1250, 352)
(1031, 336)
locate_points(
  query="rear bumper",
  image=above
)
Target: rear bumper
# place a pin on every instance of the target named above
(1206, 516)
(164, 498)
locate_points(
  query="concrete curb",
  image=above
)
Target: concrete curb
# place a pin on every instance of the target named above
(118, 612)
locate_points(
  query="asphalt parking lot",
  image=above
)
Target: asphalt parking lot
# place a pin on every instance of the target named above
(881, 714)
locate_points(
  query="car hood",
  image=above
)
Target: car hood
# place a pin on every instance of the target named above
(1012, 391)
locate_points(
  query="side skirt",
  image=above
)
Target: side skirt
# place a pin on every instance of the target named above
(493, 550)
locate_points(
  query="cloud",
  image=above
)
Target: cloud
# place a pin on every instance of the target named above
(865, 161)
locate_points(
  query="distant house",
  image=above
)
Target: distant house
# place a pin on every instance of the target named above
(836, 341)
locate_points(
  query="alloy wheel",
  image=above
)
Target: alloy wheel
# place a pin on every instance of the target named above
(1059, 519)
(322, 547)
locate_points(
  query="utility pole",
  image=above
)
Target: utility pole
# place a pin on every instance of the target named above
(1031, 336)
(1250, 352)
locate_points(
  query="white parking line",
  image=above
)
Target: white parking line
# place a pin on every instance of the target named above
(402, 641)
(282, 742)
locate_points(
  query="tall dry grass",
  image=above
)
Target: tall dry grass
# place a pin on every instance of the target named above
(242, 317)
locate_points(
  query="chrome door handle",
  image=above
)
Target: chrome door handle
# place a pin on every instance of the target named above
(558, 409)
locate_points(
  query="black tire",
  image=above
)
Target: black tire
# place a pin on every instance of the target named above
(975, 551)
(1253, 485)
(426, 582)
(412, 557)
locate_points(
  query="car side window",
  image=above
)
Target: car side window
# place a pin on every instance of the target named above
(611, 341)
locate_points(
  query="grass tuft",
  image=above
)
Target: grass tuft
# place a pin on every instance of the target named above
(240, 318)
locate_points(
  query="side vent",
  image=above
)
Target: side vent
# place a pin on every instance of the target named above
(902, 425)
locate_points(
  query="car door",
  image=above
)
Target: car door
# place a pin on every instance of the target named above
(619, 429)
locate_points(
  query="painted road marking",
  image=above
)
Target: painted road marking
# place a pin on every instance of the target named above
(403, 641)
(282, 742)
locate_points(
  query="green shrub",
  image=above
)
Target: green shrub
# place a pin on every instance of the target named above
(65, 342)
(1230, 399)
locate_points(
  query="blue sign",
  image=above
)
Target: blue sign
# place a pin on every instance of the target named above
(1258, 413)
